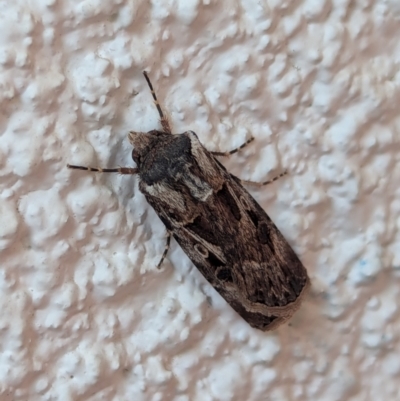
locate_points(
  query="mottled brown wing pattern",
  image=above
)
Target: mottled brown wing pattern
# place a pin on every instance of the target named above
(231, 240)
(218, 224)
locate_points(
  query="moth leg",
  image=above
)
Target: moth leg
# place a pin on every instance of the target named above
(234, 150)
(163, 119)
(260, 184)
(120, 170)
(165, 250)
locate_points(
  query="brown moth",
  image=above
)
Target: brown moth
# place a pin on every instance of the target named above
(218, 224)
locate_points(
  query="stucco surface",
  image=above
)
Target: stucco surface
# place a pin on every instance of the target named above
(84, 313)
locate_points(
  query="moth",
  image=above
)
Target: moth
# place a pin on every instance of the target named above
(218, 224)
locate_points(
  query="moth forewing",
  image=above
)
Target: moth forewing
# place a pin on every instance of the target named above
(218, 224)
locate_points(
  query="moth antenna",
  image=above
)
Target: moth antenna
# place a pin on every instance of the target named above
(120, 170)
(260, 184)
(231, 152)
(164, 120)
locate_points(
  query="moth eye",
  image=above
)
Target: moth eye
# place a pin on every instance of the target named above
(201, 250)
(135, 156)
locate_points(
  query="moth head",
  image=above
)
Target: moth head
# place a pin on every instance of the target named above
(142, 142)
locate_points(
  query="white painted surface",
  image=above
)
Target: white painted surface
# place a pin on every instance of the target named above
(84, 313)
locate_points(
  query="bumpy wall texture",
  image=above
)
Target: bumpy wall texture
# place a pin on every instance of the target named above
(85, 314)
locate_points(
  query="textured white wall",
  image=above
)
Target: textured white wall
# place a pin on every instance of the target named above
(84, 313)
